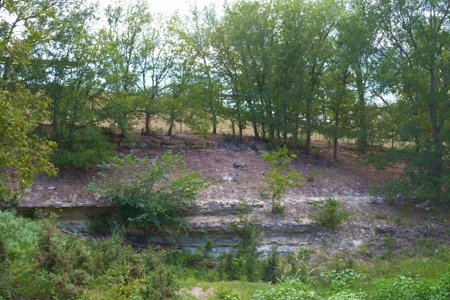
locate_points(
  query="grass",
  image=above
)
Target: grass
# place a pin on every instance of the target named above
(242, 288)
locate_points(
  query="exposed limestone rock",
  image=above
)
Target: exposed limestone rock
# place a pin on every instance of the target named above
(240, 165)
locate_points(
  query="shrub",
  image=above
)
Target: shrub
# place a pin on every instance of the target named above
(329, 216)
(405, 287)
(243, 263)
(145, 193)
(271, 271)
(347, 279)
(288, 289)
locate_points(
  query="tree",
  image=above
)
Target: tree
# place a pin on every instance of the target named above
(195, 34)
(417, 33)
(119, 62)
(227, 68)
(252, 35)
(64, 69)
(156, 57)
(22, 153)
(357, 38)
(280, 177)
(337, 103)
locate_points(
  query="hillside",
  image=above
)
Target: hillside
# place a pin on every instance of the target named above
(346, 180)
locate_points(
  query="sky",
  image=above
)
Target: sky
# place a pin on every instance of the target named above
(170, 6)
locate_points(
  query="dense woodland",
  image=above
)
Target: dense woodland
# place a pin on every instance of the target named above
(374, 72)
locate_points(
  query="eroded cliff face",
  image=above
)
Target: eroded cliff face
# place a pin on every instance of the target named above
(213, 219)
(237, 170)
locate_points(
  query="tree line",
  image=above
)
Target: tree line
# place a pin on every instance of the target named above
(376, 72)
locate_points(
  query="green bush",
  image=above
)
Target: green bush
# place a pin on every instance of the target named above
(271, 271)
(347, 279)
(183, 258)
(288, 289)
(5, 282)
(68, 264)
(146, 195)
(407, 288)
(329, 216)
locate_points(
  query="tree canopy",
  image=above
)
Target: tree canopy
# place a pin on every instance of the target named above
(376, 73)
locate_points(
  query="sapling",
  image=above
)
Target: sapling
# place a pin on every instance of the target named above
(280, 177)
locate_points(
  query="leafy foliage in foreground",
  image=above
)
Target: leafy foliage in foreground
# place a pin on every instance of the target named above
(145, 193)
(288, 289)
(22, 153)
(44, 264)
(38, 261)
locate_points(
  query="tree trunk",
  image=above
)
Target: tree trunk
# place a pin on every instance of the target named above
(214, 123)
(147, 123)
(335, 136)
(363, 130)
(308, 126)
(255, 130)
(437, 146)
(240, 133)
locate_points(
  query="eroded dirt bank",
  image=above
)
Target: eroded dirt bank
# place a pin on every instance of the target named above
(346, 180)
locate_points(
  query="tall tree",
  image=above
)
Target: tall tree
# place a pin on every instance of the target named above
(156, 57)
(418, 32)
(195, 35)
(120, 64)
(252, 37)
(64, 68)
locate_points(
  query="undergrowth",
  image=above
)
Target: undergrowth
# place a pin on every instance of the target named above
(38, 261)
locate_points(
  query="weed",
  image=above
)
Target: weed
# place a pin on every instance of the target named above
(227, 294)
(317, 152)
(389, 246)
(428, 245)
(263, 194)
(374, 191)
(342, 280)
(206, 248)
(381, 216)
(364, 250)
(303, 253)
(289, 288)
(310, 176)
